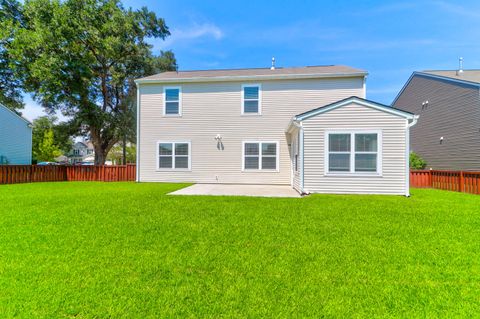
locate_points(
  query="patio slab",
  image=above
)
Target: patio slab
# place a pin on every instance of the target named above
(238, 190)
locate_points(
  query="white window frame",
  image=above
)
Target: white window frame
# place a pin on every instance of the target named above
(173, 156)
(260, 156)
(259, 86)
(352, 172)
(165, 88)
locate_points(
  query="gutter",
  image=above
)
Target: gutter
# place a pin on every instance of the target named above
(411, 123)
(252, 77)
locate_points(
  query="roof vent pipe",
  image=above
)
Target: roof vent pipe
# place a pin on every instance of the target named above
(273, 63)
(460, 66)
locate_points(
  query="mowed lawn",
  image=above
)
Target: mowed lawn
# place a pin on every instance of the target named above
(126, 250)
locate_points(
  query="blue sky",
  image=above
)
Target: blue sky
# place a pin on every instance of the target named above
(388, 39)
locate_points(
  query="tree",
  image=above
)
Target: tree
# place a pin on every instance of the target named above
(416, 162)
(81, 57)
(10, 85)
(60, 135)
(117, 157)
(47, 150)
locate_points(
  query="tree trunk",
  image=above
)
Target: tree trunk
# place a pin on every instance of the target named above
(100, 156)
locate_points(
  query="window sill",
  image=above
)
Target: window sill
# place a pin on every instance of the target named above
(260, 171)
(353, 175)
(251, 114)
(172, 115)
(173, 170)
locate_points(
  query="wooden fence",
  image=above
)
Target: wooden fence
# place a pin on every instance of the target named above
(12, 174)
(458, 181)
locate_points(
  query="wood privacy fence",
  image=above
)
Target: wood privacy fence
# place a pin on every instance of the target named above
(458, 181)
(12, 174)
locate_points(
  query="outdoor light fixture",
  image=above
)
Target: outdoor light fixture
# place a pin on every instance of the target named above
(218, 138)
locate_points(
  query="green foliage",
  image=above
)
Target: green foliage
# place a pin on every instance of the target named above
(116, 154)
(81, 57)
(47, 150)
(416, 162)
(10, 85)
(62, 139)
(127, 250)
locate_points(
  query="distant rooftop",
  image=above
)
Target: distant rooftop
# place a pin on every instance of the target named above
(466, 75)
(267, 73)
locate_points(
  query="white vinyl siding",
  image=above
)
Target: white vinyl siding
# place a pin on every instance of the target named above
(210, 109)
(172, 105)
(356, 118)
(173, 155)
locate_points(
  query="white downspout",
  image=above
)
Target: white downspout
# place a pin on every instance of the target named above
(407, 154)
(302, 154)
(137, 179)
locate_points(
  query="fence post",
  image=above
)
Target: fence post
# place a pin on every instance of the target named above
(462, 182)
(430, 179)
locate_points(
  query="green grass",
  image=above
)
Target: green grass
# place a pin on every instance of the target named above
(125, 250)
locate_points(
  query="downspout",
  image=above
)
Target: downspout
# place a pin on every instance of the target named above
(137, 179)
(407, 154)
(302, 161)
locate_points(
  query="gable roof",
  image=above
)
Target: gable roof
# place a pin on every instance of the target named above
(253, 74)
(467, 77)
(16, 114)
(353, 99)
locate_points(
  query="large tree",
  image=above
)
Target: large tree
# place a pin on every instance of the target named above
(81, 57)
(10, 85)
(60, 137)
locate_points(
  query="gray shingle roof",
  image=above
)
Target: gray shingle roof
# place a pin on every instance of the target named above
(466, 75)
(321, 71)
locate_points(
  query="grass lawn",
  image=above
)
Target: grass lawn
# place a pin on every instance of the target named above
(97, 250)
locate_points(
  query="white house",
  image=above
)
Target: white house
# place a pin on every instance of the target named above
(309, 127)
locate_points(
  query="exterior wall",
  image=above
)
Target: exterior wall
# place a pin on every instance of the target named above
(209, 109)
(353, 117)
(453, 112)
(15, 138)
(295, 149)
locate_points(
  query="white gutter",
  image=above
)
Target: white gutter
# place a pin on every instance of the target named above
(137, 167)
(407, 154)
(251, 77)
(302, 170)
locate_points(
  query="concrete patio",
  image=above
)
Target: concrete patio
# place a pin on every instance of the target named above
(238, 190)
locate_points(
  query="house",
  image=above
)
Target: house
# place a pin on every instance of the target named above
(447, 135)
(15, 138)
(81, 152)
(308, 127)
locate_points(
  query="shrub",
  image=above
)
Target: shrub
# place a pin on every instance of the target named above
(416, 162)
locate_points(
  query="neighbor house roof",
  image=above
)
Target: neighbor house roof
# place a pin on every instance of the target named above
(353, 99)
(467, 77)
(16, 114)
(254, 74)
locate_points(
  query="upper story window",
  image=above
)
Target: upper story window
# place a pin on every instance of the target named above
(251, 99)
(172, 102)
(353, 152)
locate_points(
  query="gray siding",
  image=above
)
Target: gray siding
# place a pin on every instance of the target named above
(453, 112)
(215, 108)
(15, 138)
(356, 117)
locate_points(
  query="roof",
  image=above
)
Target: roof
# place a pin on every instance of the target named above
(16, 114)
(254, 73)
(466, 75)
(353, 99)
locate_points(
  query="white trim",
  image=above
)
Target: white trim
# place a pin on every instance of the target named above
(179, 88)
(301, 160)
(259, 86)
(158, 169)
(407, 154)
(137, 178)
(351, 172)
(242, 78)
(353, 99)
(260, 142)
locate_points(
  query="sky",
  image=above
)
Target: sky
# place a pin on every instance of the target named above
(390, 40)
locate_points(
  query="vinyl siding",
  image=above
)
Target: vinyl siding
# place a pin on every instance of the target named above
(15, 138)
(209, 109)
(453, 112)
(353, 117)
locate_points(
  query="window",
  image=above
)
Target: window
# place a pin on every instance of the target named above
(260, 156)
(251, 99)
(172, 101)
(173, 155)
(353, 152)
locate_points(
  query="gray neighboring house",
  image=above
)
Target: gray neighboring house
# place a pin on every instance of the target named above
(447, 135)
(81, 152)
(15, 138)
(308, 127)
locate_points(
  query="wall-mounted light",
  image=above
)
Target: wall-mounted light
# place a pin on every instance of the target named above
(441, 139)
(218, 138)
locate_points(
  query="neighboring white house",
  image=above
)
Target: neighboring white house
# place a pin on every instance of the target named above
(264, 126)
(15, 138)
(82, 152)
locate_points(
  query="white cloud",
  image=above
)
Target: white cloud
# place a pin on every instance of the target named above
(32, 110)
(458, 10)
(195, 31)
